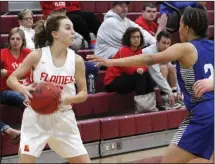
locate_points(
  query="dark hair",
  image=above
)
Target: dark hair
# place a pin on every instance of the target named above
(151, 5)
(197, 19)
(120, 2)
(20, 32)
(126, 39)
(163, 34)
(44, 29)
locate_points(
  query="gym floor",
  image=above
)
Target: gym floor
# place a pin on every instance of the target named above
(144, 156)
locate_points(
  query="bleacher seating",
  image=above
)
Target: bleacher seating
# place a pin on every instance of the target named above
(211, 16)
(103, 116)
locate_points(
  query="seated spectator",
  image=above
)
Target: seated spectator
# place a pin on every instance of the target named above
(48, 6)
(127, 79)
(11, 58)
(13, 133)
(173, 19)
(84, 22)
(25, 19)
(164, 75)
(58, 8)
(147, 19)
(74, 7)
(51, 7)
(110, 33)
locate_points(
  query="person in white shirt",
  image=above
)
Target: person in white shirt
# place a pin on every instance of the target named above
(164, 75)
(25, 19)
(110, 33)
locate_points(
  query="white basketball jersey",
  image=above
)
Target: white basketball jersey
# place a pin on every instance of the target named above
(63, 77)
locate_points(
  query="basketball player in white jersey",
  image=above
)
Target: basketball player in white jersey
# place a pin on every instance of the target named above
(54, 63)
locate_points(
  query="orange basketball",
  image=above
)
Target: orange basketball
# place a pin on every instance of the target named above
(46, 98)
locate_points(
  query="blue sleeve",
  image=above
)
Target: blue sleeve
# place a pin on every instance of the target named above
(178, 5)
(165, 9)
(181, 5)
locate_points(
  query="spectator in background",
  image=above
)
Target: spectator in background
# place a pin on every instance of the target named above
(25, 19)
(74, 7)
(13, 133)
(48, 6)
(147, 19)
(60, 8)
(80, 26)
(127, 79)
(84, 22)
(173, 19)
(110, 33)
(164, 75)
(11, 58)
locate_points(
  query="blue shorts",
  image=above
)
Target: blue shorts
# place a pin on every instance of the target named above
(196, 133)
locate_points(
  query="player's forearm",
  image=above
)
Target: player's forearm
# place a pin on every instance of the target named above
(13, 83)
(80, 97)
(138, 60)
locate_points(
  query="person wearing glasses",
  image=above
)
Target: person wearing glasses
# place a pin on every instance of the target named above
(25, 19)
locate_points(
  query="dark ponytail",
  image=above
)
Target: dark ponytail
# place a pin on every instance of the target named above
(40, 34)
(43, 32)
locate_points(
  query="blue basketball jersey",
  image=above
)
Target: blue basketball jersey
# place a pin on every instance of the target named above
(203, 68)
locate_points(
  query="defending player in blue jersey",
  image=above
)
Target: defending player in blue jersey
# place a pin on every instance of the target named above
(194, 140)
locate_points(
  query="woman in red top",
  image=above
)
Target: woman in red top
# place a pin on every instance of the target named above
(11, 57)
(127, 79)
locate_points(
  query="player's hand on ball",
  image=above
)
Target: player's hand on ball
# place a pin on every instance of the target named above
(100, 60)
(140, 71)
(26, 91)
